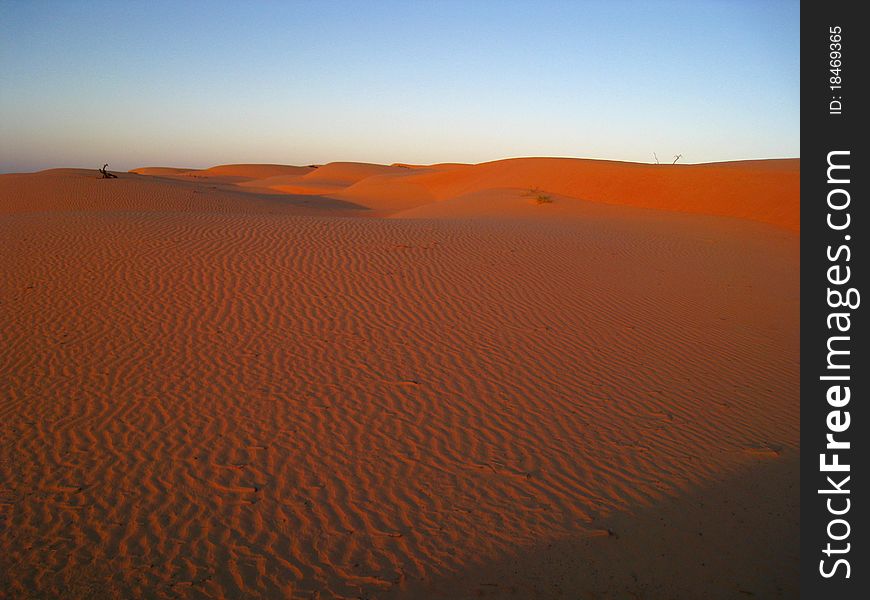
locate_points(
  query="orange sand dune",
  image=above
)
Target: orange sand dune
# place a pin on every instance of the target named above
(508, 203)
(767, 191)
(247, 171)
(162, 171)
(211, 392)
(437, 166)
(391, 192)
(347, 173)
(255, 171)
(761, 190)
(334, 177)
(62, 190)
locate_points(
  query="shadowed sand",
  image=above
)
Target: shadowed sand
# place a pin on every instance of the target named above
(225, 383)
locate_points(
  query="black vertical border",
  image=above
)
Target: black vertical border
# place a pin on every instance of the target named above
(821, 133)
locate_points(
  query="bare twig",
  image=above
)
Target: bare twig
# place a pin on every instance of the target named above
(105, 174)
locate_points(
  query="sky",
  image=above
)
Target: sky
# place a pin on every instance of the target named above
(194, 84)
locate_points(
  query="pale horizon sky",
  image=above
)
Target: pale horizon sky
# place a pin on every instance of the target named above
(194, 84)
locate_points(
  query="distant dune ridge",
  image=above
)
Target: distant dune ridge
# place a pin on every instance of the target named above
(761, 190)
(529, 378)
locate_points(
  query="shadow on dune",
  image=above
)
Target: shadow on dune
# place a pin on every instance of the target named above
(277, 199)
(738, 538)
(310, 201)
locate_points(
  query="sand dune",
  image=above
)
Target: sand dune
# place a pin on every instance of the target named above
(767, 191)
(392, 192)
(762, 190)
(255, 171)
(64, 190)
(211, 392)
(335, 177)
(246, 171)
(347, 173)
(162, 171)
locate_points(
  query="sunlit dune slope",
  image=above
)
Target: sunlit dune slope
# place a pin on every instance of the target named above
(767, 191)
(255, 171)
(242, 171)
(335, 177)
(760, 190)
(161, 171)
(347, 173)
(393, 192)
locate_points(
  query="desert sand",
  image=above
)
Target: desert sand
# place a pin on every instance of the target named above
(530, 378)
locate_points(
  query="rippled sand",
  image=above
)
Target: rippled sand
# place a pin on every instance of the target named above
(216, 387)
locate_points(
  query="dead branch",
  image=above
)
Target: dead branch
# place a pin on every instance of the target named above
(105, 173)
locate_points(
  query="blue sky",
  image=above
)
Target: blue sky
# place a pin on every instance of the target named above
(195, 84)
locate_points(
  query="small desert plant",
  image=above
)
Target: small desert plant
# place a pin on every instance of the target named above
(676, 158)
(539, 196)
